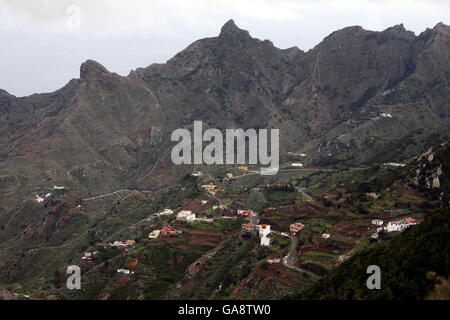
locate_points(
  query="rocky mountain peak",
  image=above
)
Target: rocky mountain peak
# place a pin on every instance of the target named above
(4, 93)
(399, 32)
(230, 29)
(92, 69)
(442, 29)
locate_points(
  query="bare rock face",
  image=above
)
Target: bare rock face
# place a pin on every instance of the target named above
(232, 31)
(431, 169)
(92, 69)
(330, 102)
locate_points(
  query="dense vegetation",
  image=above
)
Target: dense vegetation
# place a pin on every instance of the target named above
(404, 265)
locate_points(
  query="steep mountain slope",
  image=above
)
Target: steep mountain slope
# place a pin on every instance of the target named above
(356, 94)
(410, 263)
(405, 264)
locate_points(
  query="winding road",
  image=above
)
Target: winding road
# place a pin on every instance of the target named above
(113, 193)
(289, 260)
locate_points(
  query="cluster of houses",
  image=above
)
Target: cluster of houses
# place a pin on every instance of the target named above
(125, 271)
(393, 226)
(165, 232)
(40, 199)
(183, 215)
(253, 229)
(211, 188)
(89, 256)
(120, 244)
(400, 225)
(247, 213)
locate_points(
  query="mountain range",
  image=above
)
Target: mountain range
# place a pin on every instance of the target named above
(357, 99)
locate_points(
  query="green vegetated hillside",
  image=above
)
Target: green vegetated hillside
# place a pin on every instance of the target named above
(210, 259)
(405, 263)
(52, 236)
(89, 164)
(409, 263)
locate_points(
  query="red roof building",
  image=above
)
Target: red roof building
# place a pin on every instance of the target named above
(296, 227)
(167, 232)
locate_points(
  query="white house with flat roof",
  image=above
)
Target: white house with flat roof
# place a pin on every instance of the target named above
(265, 241)
(183, 214)
(264, 230)
(377, 222)
(190, 217)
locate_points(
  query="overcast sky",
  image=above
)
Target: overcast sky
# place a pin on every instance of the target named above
(43, 42)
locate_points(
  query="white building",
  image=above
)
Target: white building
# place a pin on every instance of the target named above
(154, 234)
(183, 214)
(271, 261)
(343, 258)
(264, 230)
(165, 212)
(204, 202)
(265, 242)
(396, 226)
(298, 165)
(393, 164)
(124, 271)
(400, 225)
(190, 217)
(377, 222)
(326, 235)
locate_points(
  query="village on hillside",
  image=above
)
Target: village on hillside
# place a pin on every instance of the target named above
(312, 244)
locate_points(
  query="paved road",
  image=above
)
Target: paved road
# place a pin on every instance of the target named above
(289, 260)
(292, 252)
(214, 197)
(113, 193)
